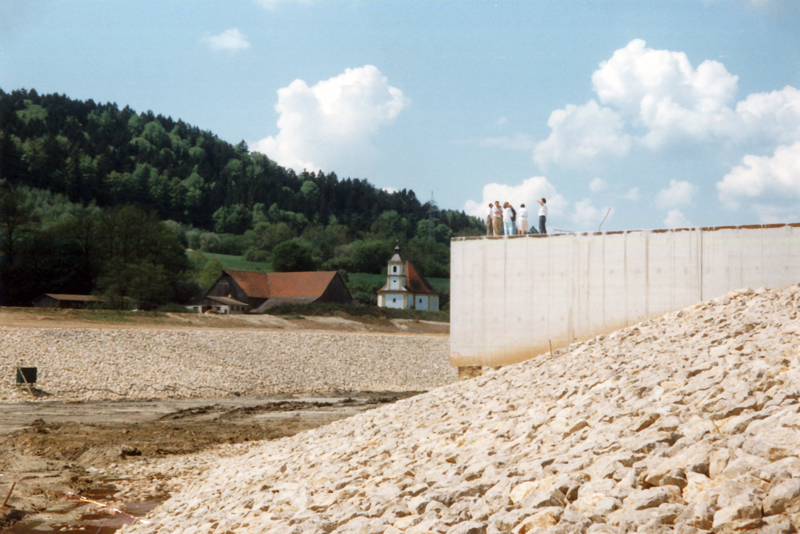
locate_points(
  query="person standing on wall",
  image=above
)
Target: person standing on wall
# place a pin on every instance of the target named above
(508, 224)
(513, 220)
(522, 220)
(489, 231)
(542, 216)
(497, 219)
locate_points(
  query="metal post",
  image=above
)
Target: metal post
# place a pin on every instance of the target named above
(9, 494)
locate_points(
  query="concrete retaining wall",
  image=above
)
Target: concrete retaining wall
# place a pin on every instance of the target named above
(511, 298)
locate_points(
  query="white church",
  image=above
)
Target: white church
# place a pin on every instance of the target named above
(406, 288)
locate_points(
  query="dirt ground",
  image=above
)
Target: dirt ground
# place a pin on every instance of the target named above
(130, 456)
(113, 452)
(341, 322)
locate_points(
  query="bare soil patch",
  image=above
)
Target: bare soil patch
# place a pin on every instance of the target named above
(339, 321)
(113, 452)
(123, 453)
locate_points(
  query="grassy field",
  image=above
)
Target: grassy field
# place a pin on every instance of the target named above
(237, 263)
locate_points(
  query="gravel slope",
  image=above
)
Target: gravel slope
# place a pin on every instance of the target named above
(93, 364)
(686, 423)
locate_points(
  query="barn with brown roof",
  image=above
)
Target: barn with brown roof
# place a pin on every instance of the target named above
(261, 291)
(406, 288)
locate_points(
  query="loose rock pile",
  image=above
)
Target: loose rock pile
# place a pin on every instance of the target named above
(91, 364)
(687, 423)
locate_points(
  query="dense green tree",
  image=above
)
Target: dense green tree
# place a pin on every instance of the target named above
(268, 235)
(370, 256)
(291, 256)
(17, 218)
(432, 258)
(209, 273)
(80, 164)
(235, 219)
(133, 242)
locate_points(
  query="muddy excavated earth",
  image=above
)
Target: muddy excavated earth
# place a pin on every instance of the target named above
(109, 452)
(121, 455)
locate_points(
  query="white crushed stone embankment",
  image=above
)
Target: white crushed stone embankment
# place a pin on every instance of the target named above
(92, 364)
(687, 423)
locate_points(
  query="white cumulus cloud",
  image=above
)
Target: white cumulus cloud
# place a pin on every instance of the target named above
(579, 134)
(662, 91)
(771, 117)
(676, 219)
(679, 193)
(331, 123)
(632, 194)
(654, 99)
(775, 177)
(228, 40)
(597, 185)
(588, 218)
(528, 192)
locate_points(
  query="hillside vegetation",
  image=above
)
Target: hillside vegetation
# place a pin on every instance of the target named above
(94, 198)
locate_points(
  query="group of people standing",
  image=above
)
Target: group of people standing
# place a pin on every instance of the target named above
(508, 221)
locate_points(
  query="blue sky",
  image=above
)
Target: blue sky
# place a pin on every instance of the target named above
(668, 113)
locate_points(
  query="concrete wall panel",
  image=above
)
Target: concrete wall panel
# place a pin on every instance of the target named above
(513, 298)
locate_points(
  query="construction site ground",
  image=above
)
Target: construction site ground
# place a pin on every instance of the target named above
(109, 452)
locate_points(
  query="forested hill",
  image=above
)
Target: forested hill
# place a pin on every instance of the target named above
(94, 198)
(98, 152)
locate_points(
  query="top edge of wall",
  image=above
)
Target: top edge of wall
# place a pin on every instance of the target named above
(654, 231)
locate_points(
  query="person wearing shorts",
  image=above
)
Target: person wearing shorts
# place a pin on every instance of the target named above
(522, 220)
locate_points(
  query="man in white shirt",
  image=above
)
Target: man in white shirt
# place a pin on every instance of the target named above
(542, 216)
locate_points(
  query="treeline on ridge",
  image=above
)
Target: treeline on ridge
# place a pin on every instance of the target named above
(64, 159)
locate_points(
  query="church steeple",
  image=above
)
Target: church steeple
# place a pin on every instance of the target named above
(396, 272)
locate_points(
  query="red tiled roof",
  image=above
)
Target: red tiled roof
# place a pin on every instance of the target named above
(281, 285)
(303, 284)
(254, 284)
(417, 283)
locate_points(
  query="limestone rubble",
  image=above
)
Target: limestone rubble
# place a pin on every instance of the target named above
(686, 423)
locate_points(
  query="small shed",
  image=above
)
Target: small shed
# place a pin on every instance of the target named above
(60, 300)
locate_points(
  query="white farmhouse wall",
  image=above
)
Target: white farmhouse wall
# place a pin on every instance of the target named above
(511, 298)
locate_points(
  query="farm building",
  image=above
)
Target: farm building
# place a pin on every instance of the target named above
(217, 305)
(59, 300)
(259, 291)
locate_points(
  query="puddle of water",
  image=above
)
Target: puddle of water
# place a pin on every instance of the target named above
(90, 521)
